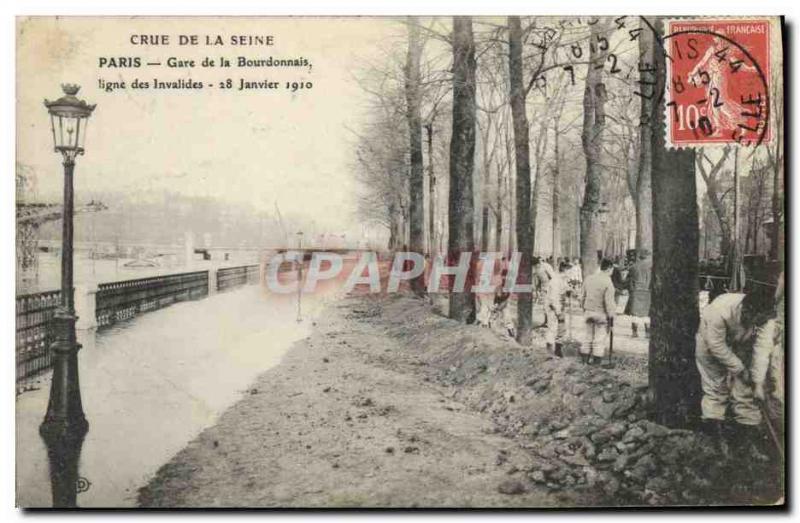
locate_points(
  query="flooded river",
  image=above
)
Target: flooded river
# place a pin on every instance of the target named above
(153, 383)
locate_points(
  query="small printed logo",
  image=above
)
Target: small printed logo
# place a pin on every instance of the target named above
(82, 485)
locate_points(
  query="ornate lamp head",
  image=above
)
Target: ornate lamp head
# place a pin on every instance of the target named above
(69, 117)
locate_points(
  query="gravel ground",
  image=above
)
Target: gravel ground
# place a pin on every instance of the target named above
(389, 404)
(340, 423)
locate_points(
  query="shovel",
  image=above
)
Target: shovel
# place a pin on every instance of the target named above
(771, 428)
(610, 364)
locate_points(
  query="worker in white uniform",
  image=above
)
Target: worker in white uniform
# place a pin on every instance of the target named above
(724, 343)
(554, 310)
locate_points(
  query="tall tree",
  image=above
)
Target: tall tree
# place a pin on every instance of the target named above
(382, 167)
(674, 311)
(594, 120)
(640, 176)
(431, 192)
(775, 158)
(500, 188)
(523, 179)
(539, 151)
(644, 200)
(416, 185)
(555, 196)
(461, 206)
(716, 195)
(754, 192)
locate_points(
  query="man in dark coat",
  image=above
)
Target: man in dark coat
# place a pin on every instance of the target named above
(638, 306)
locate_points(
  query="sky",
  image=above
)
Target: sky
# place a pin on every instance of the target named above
(258, 146)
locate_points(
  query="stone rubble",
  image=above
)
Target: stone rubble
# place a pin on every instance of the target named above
(585, 427)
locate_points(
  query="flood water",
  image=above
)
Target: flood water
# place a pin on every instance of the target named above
(151, 384)
(47, 276)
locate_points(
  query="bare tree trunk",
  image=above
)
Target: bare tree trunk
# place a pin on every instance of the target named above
(775, 230)
(512, 215)
(485, 228)
(577, 227)
(748, 235)
(534, 207)
(498, 223)
(735, 258)
(712, 189)
(705, 233)
(486, 166)
(393, 227)
(431, 194)
(555, 197)
(594, 98)
(523, 180)
(461, 206)
(673, 376)
(541, 146)
(777, 208)
(416, 185)
(644, 198)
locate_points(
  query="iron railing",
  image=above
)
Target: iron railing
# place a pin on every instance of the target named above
(35, 332)
(709, 281)
(121, 300)
(230, 277)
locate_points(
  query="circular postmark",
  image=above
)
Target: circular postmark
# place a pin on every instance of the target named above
(712, 74)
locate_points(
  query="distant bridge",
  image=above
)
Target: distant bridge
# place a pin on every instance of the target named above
(32, 215)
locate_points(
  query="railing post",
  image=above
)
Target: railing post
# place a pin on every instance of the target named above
(262, 272)
(212, 280)
(85, 306)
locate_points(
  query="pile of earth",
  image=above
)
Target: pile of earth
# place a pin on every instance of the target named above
(586, 427)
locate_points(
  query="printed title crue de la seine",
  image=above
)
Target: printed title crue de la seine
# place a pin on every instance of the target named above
(195, 39)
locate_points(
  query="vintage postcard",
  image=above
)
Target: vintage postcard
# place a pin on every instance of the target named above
(400, 262)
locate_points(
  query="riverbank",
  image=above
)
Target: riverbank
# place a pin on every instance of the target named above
(151, 384)
(388, 404)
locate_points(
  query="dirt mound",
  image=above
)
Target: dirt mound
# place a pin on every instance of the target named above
(586, 427)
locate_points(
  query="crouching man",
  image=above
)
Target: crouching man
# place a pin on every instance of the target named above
(728, 328)
(599, 309)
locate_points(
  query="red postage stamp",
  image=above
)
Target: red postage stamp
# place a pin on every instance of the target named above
(718, 73)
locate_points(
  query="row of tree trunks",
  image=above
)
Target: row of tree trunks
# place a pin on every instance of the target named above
(665, 195)
(461, 206)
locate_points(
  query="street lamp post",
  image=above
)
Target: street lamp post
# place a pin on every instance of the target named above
(65, 426)
(300, 275)
(602, 215)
